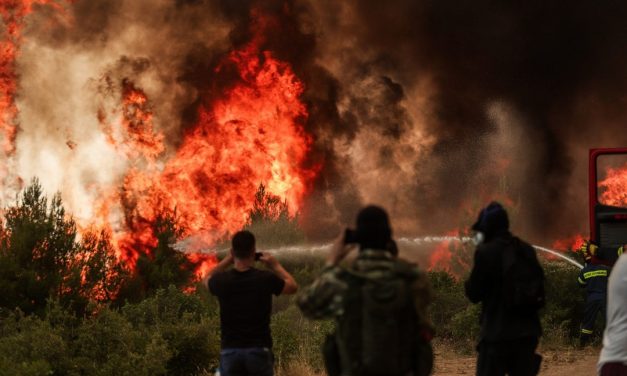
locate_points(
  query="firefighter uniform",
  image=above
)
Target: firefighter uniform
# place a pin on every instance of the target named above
(594, 278)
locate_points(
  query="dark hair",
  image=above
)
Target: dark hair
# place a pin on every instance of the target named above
(243, 244)
(373, 228)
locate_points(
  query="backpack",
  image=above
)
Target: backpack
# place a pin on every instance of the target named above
(523, 278)
(378, 334)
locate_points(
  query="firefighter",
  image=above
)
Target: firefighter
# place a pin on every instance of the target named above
(593, 277)
(599, 256)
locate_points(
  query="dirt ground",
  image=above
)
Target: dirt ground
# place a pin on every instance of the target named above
(555, 363)
(567, 362)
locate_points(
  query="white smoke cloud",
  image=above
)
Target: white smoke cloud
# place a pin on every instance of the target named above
(61, 70)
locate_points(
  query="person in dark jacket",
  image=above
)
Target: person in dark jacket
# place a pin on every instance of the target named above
(508, 338)
(593, 277)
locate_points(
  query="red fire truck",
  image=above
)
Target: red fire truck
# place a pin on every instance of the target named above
(608, 209)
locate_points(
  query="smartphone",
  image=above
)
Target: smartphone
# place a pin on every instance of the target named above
(258, 256)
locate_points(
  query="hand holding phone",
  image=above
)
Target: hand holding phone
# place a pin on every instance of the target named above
(350, 236)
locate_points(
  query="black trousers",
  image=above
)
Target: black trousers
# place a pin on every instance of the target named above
(513, 357)
(592, 309)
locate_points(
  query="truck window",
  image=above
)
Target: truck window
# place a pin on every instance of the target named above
(612, 180)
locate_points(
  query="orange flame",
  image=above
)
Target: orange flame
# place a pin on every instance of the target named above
(572, 243)
(614, 187)
(441, 257)
(250, 136)
(204, 263)
(253, 136)
(451, 256)
(136, 136)
(12, 13)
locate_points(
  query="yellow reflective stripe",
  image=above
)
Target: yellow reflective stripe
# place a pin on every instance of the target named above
(596, 273)
(620, 250)
(586, 331)
(581, 281)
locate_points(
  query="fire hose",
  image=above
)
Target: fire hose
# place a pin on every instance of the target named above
(465, 239)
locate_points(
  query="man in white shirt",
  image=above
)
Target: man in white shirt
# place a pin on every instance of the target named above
(613, 359)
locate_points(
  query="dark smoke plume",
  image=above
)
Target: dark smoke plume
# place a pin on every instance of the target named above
(428, 108)
(561, 66)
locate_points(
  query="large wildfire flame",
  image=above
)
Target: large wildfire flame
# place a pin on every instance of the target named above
(250, 135)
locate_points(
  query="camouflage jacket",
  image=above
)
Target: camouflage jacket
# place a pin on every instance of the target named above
(324, 297)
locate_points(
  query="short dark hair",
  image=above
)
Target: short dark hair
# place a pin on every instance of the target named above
(243, 244)
(373, 228)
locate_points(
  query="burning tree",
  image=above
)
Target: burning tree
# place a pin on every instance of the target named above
(41, 257)
(162, 265)
(271, 222)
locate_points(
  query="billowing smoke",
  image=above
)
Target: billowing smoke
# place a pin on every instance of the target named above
(550, 75)
(72, 67)
(429, 108)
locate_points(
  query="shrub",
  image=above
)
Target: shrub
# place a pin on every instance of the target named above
(186, 325)
(41, 258)
(108, 344)
(449, 301)
(170, 333)
(37, 252)
(30, 346)
(297, 338)
(565, 300)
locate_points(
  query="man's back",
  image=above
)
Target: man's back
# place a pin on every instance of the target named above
(379, 305)
(378, 315)
(245, 305)
(508, 281)
(245, 296)
(594, 277)
(485, 285)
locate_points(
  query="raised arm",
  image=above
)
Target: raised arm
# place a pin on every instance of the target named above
(273, 264)
(222, 266)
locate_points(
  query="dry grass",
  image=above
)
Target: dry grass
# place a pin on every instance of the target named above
(298, 368)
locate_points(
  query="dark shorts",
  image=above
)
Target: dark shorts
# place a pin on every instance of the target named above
(253, 361)
(614, 369)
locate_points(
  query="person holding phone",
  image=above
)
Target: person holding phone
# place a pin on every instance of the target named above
(378, 302)
(245, 297)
